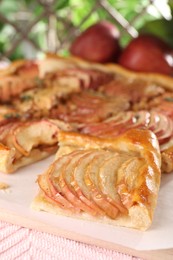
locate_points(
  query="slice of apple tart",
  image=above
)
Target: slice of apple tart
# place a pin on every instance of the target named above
(23, 143)
(113, 181)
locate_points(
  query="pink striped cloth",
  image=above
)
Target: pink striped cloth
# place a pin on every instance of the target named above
(24, 244)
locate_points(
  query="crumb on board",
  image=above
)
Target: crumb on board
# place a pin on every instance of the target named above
(4, 186)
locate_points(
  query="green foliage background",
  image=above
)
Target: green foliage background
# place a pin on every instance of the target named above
(69, 15)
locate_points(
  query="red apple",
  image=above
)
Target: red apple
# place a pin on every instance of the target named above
(99, 43)
(147, 53)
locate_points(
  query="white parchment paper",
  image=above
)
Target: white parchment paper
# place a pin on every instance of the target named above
(23, 189)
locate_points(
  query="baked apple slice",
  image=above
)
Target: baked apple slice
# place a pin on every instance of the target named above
(65, 183)
(90, 178)
(54, 191)
(131, 184)
(162, 126)
(114, 123)
(107, 182)
(79, 184)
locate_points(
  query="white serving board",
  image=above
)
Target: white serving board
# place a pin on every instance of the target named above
(15, 208)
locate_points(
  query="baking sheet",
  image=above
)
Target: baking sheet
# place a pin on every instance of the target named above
(23, 189)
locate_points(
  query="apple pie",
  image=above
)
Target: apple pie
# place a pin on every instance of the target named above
(111, 130)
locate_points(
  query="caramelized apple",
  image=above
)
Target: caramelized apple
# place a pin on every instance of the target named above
(99, 43)
(147, 53)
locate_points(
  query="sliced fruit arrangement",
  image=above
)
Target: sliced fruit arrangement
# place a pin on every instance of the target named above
(100, 177)
(89, 106)
(77, 180)
(159, 123)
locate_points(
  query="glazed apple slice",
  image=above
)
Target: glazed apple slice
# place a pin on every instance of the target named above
(107, 182)
(101, 129)
(32, 134)
(90, 178)
(125, 119)
(167, 130)
(154, 121)
(118, 127)
(127, 185)
(112, 131)
(52, 193)
(131, 120)
(114, 124)
(140, 119)
(120, 117)
(54, 183)
(79, 184)
(44, 186)
(162, 126)
(65, 183)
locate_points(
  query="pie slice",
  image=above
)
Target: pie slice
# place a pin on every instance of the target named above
(23, 143)
(113, 181)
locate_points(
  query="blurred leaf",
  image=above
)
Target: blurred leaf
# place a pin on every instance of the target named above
(61, 4)
(8, 6)
(1, 25)
(161, 28)
(17, 54)
(38, 34)
(29, 2)
(1, 47)
(64, 53)
(170, 3)
(80, 10)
